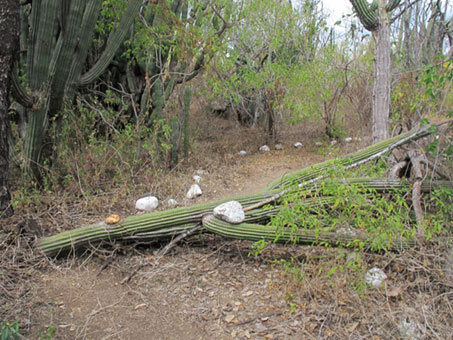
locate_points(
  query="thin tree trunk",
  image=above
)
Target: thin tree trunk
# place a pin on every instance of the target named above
(9, 31)
(381, 89)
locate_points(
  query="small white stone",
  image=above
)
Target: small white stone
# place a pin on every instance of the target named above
(201, 172)
(265, 148)
(318, 143)
(348, 139)
(333, 142)
(197, 179)
(172, 202)
(298, 145)
(242, 153)
(375, 277)
(278, 147)
(410, 329)
(348, 231)
(230, 212)
(194, 191)
(148, 203)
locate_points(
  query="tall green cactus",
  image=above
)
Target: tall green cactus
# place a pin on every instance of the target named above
(174, 142)
(58, 45)
(158, 101)
(187, 96)
(375, 17)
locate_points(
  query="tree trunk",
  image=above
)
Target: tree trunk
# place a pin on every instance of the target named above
(9, 31)
(381, 89)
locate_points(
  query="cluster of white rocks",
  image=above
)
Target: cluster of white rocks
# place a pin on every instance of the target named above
(150, 203)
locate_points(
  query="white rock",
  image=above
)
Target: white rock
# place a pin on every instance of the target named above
(348, 231)
(230, 212)
(197, 179)
(298, 145)
(333, 142)
(148, 203)
(375, 277)
(348, 139)
(194, 191)
(172, 202)
(201, 172)
(318, 143)
(242, 153)
(411, 330)
(265, 148)
(278, 147)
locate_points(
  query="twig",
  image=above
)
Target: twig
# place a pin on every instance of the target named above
(162, 252)
(258, 317)
(416, 190)
(436, 170)
(177, 239)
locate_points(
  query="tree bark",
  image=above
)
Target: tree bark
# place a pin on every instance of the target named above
(9, 31)
(381, 89)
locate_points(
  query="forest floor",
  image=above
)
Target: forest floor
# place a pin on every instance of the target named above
(211, 287)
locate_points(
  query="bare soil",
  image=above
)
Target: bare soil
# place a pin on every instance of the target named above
(212, 288)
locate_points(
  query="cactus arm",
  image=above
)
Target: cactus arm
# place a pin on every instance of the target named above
(114, 41)
(90, 16)
(71, 19)
(158, 101)
(367, 13)
(32, 37)
(43, 41)
(392, 5)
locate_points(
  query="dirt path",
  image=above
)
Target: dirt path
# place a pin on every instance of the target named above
(208, 290)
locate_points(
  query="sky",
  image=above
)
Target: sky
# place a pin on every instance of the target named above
(336, 8)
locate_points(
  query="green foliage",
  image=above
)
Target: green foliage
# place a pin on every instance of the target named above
(356, 209)
(437, 80)
(316, 89)
(10, 331)
(270, 41)
(49, 333)
(440, 214)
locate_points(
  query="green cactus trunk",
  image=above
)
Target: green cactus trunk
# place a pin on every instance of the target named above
(175, 142)
(187, 97)
(375, 17)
